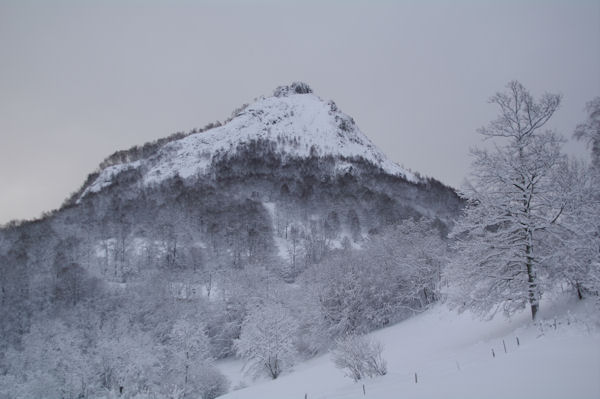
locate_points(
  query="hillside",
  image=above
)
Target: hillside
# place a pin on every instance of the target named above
(171, 252)
(557, 357)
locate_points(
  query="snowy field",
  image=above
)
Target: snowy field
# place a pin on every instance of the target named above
(557, 357)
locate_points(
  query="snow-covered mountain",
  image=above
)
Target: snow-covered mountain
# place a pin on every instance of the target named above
(291, 159)
(294, 122)
(282, 183)
(177, 242)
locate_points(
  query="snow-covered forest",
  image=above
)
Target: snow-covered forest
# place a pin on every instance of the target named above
(283, 235)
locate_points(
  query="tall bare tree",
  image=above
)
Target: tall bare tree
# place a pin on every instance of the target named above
(511, 201)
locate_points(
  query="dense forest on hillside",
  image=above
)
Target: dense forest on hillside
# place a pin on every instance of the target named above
(124, 267)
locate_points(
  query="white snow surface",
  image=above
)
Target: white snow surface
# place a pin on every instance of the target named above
(452, 356)
(296, 123)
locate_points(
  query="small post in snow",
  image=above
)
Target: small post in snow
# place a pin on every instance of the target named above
(364, 390)
(518, 343)
(457, 365)
(416, 378)
(493, 353)
(504, 343)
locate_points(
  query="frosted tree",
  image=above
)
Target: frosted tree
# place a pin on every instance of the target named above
(396, 274)
(54, 361)
(512, 202)
(590, 131)
(267, 340)
(359, 357)
(124, 363)
(412, 254)
(192, 347)
(576, 240)
(580, 185)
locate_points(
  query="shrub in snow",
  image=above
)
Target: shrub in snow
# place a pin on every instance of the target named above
(205, 382)
(267, 340)
(359, 357)
(211, 383)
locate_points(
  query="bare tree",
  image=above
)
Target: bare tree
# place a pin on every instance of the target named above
(590, 131)
(580, 185)
(359, 357)
(267, 340)
(511, 202)
(192, 346)
(576, 241)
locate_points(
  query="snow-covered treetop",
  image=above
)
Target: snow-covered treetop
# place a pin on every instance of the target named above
(296, 121)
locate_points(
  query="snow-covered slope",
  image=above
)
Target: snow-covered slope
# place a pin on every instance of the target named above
(452, 356)
(296, 124)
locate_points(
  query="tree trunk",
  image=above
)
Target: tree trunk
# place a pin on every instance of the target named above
(532, 289)
(531, 278)
(534, 310)
(187, 367)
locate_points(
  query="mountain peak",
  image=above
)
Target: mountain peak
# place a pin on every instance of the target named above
(294, 121)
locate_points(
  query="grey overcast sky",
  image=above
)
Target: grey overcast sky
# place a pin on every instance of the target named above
(82, 79)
